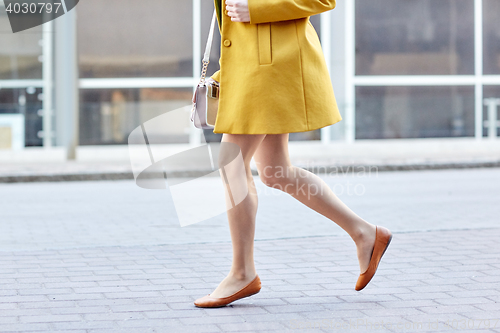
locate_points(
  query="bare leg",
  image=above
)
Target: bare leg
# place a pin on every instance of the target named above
(241, 220)
(276, 170)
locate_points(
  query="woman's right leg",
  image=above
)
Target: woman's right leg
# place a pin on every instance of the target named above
(276, 170)
(241, 217)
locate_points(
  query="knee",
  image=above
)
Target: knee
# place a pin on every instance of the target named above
(275, 178)
(271, 181)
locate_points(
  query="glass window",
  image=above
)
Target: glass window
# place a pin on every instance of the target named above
(20, 52)
(26, 101)
(423, 37)
(135, 38)
(491, 36)
(494, 93)
(107, 116)
(414, 112)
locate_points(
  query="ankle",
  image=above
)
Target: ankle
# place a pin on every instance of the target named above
(363, 234)
(242, 274)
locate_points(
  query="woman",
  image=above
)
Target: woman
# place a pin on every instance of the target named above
(274, 81)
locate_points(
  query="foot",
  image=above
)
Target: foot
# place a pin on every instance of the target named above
(231, 284)
(365, 244)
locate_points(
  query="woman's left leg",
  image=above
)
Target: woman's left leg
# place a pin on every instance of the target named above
(276, 170)
(241, 217)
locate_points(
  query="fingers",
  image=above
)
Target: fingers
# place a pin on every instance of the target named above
(237, 11)
(232, 10)
(235, 15)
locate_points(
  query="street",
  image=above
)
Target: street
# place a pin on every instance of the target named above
(108, 256)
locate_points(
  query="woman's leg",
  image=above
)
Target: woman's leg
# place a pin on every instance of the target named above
(275, 170)
(241, 217)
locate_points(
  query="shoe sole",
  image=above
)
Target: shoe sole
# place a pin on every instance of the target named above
(223, 305)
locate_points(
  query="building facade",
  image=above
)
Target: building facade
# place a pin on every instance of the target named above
(400, 69)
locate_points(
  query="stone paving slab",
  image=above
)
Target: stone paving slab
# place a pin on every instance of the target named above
(435, 279)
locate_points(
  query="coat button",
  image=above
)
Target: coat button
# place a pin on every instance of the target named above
(227, 42)
(225, 11)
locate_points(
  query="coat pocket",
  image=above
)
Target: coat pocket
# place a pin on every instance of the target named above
(264, 38)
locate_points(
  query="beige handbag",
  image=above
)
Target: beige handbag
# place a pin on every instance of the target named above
(206, 95)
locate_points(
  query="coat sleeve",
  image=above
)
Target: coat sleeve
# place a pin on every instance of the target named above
(262, 11)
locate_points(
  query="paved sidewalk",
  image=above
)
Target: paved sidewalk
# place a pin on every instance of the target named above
(108, 256)
(53, 215)
(436, 279)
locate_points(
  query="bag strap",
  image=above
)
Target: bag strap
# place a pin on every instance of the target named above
(208, 48)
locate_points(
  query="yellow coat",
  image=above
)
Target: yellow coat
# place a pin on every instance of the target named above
(273, 75)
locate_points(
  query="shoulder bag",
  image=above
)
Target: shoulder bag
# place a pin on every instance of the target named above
(206, 95)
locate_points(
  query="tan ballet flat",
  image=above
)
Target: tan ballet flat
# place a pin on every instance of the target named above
(382, 239)
(213, 302)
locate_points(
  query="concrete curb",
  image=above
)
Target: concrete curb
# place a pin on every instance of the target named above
(319, 169)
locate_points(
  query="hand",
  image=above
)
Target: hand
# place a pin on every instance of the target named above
(238, 10)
